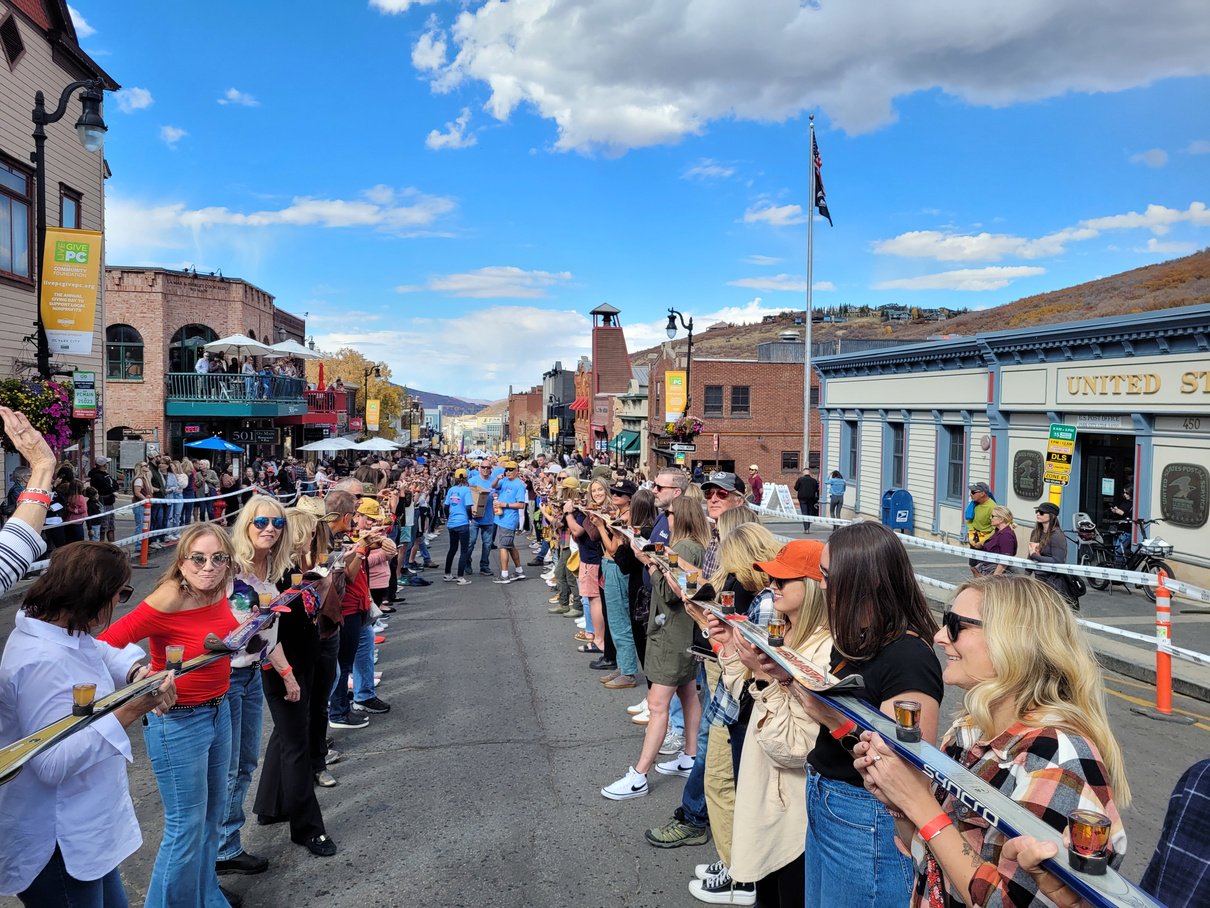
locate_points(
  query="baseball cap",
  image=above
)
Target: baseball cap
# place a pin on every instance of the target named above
(370, 508)
(799, 558)
(728, 482)
(102, 461)
(625, 487)
(460, 473)
(753, 467)
(571, 483)
(981, 487)
(509, 465)
(1047, 507)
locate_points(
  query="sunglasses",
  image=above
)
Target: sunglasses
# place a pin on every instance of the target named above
(781, 584)
(279, 523)
(953, 624)
(219, 558)
(714, 493)
(125, 593)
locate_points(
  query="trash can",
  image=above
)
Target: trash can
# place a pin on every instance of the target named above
(898, 510)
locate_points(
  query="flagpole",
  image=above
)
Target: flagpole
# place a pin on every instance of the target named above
(806, 356)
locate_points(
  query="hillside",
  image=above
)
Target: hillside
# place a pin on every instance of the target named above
(1180, 282)
(452, 406)
(495, 408)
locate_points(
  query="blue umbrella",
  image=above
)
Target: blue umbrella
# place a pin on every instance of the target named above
(214, 443)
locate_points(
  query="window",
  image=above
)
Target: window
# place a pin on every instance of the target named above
(16, 221)
(10, 39)
(789, 461)
(123, 353)
(955, 463)
(70, 203)
(814, 395)
(895, 438)
(185, 344)
(714, 400)
(852, 437)
(740, 400)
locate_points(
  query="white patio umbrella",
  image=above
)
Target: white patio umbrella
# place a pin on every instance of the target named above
(239, 344)
(337, 443)
(377, 444)
(292, 348)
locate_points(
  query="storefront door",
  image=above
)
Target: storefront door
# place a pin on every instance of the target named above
(1106, 467)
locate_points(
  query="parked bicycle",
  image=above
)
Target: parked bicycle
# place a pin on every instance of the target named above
(1097, 549)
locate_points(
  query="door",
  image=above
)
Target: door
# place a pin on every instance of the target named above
(1106, 468)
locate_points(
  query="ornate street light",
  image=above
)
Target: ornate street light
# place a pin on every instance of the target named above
(673, 315)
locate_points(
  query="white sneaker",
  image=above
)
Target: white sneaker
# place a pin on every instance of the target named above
(673, 743)
(631, 785)
(448, 578)
(463, 581)
(518, 574)
(722, 890)
(639, 719)
(640, 707)
(680, 765)
(380, 626)
(547, 575)
(705, 871)
(581, 623)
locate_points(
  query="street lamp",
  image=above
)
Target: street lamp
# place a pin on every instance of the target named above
(365, 388)
(673, 315)
(91, 130)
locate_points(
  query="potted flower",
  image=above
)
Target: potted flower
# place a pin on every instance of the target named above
(685, 427)
(47, 405)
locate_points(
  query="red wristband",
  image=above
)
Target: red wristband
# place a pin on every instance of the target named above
(36, 497)
(849, 727)
(289, 671)
(933, 827)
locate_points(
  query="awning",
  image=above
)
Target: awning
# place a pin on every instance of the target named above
(579, 405)
(599, 429)
(626, 442)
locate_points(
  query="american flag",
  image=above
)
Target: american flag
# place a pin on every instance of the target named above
(821, 202)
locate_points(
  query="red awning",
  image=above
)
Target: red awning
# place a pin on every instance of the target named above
(600, 430)
(580, 405)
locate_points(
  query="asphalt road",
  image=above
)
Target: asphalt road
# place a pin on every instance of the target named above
(481, 786)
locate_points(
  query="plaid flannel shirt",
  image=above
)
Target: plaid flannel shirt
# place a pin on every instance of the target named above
(723, 709)
(1179, 872)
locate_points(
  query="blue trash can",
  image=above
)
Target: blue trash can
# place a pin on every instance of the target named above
(898, 510)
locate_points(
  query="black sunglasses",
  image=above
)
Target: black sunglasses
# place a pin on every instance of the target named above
(125, 593)
(279, 523)
(953, 624)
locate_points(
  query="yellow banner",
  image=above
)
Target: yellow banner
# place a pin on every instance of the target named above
(71, 270)
(372, 409)
(523, 444)
(415, 432)
(552, 430)
(675, 390)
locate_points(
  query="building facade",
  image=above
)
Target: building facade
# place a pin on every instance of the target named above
(558, 394)
(933, 418)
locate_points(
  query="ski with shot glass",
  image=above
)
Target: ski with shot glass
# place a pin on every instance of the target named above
(14, 756)
(1106, 889)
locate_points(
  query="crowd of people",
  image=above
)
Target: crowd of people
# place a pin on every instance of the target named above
(802, 808)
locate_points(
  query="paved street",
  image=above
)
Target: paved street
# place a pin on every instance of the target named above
(480, 788)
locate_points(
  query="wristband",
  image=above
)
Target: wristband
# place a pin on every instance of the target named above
(848, 728)
(288, 671)
(34, 491)
(40, 500)
(933, 827)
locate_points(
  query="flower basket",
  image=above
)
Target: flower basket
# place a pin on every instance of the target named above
(685, 427)
(47, 406)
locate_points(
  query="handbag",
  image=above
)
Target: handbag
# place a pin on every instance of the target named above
(573, 563)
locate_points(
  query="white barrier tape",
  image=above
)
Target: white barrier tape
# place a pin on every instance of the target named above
(172, 501)
(1136, 578)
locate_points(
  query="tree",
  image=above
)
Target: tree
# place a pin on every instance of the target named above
(349, 366)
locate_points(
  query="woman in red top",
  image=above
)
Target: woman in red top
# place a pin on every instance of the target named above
(190, 745)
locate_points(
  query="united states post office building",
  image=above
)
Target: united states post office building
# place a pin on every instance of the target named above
(934, 417)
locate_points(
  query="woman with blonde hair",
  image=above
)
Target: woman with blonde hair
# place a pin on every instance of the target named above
(1002, 541)
(588, 540)
(262, 556)
(1032, 724)
(140, 492)
(190, 745)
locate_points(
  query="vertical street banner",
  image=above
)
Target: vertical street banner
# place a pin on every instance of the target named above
(674, 394)
(84, 395)
(552, 430)
(71, 271)
(372, 409)
(415, 432)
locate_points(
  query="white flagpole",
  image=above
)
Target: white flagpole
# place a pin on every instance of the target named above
(806, 358)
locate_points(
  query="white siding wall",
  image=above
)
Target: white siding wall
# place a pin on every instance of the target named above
(871, 465)
(922, 469)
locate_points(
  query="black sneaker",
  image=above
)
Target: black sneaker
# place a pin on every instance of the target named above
(373, 705)
(486, 574)
(352, 720)
(242, 863)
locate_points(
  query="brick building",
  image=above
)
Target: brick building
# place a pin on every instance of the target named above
(156, 321)
(525, 419)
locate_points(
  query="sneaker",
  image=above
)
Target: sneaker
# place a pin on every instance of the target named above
(325, 779)
(518, 574)
(463, 581)
(331, 757)
(676, 833)
(448, 578)
(504, 579)
(673, 743)
(680, 765)
(720, 889)
(640, 718)
(576, 613)
(380, 626)
(621, 682)
(373, 705)
(484, 573)
(705, 871)
(553, 599)
(429, 565)
(640, 707)
(631, 785)
(535, 562)
(557, 609)
(610, 676)
(352, 720)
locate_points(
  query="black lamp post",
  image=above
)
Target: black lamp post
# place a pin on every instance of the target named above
(673, 315)
(91, 130)
(365, 392)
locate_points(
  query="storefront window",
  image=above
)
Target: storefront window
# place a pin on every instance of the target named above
(956, 463)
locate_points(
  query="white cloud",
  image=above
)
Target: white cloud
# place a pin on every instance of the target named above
(995, 277)
(1152, 157)
(171, 135)
(132, 99)
(790, 283)
(707, 169)
(493, 282)
(620, 74)
(429, 51)
(1198, 146)
(762, 260)
(455, 134)
(1161, 248)
(776, 215)
(395, 7)
(823, 286)
(237, 97)
(1157, 218)
(83, 29)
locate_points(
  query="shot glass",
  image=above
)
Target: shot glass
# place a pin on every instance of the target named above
(82, 696)
(174, 656)
(265, 599)
(727, 600)
(1089, 851)
(907, 720)
(296, 579)
(777, 630)
(692, 581)
(673, 559)
(659, 548)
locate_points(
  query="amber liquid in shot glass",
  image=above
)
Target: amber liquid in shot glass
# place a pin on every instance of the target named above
(1089, 849)
(692, 580)
(174, 655)
(265, 599)
(777, 630)
(907, 719)
(673, 559)
(82, 696)
(727, 600)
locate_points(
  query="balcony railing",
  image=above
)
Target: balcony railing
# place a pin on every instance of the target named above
(329, 401)
(223, 387)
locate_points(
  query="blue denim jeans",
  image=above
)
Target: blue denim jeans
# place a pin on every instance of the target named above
(589, 629)
(190, 752)
(848, 827)
(485, 533)
(350, 637)
(693, 798)
(363, 665)
(159, 516)
(175, 509)
(55, 888)
(617, 608)
(246, 702)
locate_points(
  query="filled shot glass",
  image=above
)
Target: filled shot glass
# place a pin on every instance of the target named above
(1089, 850)
(673, 559)
(82, 696)
(777, 630)
(174, 656)
(692, 580)
(265, 599)
(907, 720)
(296, 579)
(727, 600)
(659, 548)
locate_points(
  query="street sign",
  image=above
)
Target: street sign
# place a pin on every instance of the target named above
(1060, 448)
(255, 436)
(680, 447)
(715, 442)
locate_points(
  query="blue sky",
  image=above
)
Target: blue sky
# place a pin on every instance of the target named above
(450, 187)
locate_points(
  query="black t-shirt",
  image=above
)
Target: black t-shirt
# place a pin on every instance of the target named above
(908, 663)
(806, 488)
(590, 543)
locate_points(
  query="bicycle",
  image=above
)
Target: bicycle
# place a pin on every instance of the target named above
(1097, 550)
